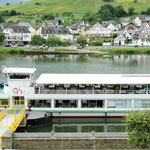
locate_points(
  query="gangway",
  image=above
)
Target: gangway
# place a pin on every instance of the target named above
(12, 116)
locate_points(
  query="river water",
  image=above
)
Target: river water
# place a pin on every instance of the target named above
(12, 2)
(120, 64)
(106, 64)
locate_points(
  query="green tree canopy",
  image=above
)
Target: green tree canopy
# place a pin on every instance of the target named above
(2, 38)
(131, 11)
(53, 41)
(120, 12)
(1, 18)
(37, 40)
(138, 127)
(66, 42)
(81, 41)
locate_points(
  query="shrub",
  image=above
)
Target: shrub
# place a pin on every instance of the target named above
(66, 43)
(138, 127)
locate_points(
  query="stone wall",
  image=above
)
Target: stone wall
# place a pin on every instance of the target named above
(71, 143)
(7, 140)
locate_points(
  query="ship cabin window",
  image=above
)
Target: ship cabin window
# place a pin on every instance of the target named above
(4, 102)
(142, 103)
(40, 103)
(66, 103)
(119, 103)
(18, 76)
(92, 103)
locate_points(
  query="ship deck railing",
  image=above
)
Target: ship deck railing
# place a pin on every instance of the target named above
(91, 91)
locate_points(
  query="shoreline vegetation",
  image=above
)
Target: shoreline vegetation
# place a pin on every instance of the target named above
(111, 51)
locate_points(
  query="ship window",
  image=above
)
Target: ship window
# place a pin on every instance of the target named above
(142, 104)
(66, 103)
(40, 103)
(92, 103)
(119, 104)
(4, 102)
(18, 76)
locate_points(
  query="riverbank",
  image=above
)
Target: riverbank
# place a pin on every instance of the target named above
(101, 51)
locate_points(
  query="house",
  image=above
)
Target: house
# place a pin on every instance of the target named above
(31, 28)
(38, 28)
(61, 32)
(119, 40)
(147, 19)
(17, 34)
(142, 36)
(130, 27)
(4, 25)
(59, 19)
(83, 30)
(115, 23)
(79, 23)
(98, 30)
(112, 27)
(51, 23)
(126, 21)
(137, 20)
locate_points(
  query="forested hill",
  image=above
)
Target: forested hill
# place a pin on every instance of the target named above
(74, 6)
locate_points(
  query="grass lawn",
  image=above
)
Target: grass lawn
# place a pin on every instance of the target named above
(114, 51)
(134, 50)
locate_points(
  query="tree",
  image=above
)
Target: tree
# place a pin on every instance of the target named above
(106, 15)
(81, 41)
(37, 3)
(147, 11)
(2, 38)
(120, 12)
(138, 127)
(135, 1)
(13, 13)
(1, 18)
(66, 42)
(115, 35)
(37, 40)
(53, 41)
(131, 11)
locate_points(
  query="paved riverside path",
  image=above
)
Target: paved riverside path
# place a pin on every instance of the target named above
(5, 123)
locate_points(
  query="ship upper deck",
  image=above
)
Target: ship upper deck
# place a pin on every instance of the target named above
(94, 79)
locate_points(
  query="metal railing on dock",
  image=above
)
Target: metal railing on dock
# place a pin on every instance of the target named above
(72, 135)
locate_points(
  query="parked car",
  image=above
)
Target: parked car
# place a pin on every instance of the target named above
(14, 46)
(20, 45)
(7, 45)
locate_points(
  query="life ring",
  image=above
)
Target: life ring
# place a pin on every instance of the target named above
(17, 91)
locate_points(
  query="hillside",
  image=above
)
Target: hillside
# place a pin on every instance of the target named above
(74, 6)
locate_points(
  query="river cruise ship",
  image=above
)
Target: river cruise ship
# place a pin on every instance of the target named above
(77, 95)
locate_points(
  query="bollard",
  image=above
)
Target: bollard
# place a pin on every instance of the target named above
(52, 134)
(93, 134)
